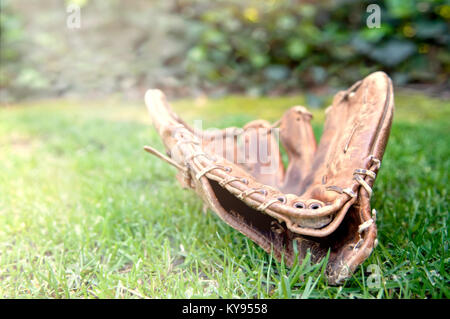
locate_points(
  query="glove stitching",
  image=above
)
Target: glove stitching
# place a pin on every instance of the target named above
(265, 205)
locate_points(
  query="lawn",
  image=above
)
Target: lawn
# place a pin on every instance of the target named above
(86, 213)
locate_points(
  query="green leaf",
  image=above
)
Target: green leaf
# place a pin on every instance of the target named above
(401, 8)
(431, 29)
(197, 54)
(276, 72)
(286, 22)
(297, 49)
(376, 34)
(393, 52)
(259, 60)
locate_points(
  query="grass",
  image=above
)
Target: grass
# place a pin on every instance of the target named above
(85, 213)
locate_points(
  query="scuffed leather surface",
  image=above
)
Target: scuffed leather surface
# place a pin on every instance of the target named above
(357, 127)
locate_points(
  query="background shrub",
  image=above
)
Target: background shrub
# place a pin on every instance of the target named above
(186, 47)
(286, 44)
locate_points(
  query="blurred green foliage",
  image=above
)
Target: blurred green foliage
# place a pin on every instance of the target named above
(10, 35)
(284, 44)
(190, 46)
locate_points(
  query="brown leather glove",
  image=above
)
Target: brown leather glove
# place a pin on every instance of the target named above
(321, 202)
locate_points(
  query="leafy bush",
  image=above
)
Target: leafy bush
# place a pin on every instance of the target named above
(10, 35)
(282, 44)
(227, 45)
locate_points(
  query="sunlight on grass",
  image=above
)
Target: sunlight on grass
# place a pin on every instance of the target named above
(84, 212)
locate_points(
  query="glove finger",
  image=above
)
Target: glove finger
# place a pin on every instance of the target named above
(297, 138)
(259, 154)
(355, 133)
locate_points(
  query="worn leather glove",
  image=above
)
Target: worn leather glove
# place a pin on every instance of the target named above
(320, 202)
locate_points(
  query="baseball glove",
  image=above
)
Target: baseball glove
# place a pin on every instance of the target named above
(320, 202)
